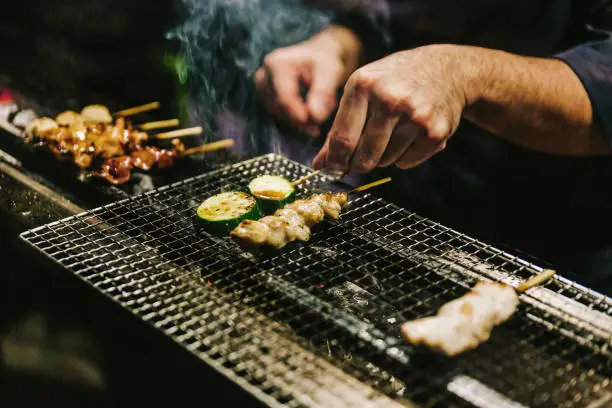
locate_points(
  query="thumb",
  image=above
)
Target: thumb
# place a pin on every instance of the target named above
(321, 99)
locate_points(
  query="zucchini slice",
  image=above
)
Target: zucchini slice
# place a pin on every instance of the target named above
(223, 212)
(272, 192)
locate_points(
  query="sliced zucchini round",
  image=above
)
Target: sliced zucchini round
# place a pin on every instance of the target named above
(223, 212)
(272, 192)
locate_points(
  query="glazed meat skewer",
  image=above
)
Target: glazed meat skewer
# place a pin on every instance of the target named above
(117, 170)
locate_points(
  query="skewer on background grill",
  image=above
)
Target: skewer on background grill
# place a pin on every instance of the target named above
(293, 222)
(468, 321)
(117, 170)
(123, 147)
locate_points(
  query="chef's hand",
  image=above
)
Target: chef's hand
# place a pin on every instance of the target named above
(398, 110)
(321, 64)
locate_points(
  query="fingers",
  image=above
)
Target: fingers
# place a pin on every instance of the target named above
(279, 92)
(321, 98)
(374, 140)
(425, 145)
(403, 136)
(346, 130)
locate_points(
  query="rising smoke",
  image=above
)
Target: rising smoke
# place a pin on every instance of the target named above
(224, 43)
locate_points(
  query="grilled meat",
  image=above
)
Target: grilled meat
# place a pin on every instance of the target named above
(83, 139)
(464, 323)
(292, 222)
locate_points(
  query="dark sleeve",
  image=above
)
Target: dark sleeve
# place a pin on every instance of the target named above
(370, 23)
(592, 62)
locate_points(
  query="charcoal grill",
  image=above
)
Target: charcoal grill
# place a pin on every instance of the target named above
(317, 324)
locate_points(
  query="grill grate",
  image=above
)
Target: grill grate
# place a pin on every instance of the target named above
(318, 323)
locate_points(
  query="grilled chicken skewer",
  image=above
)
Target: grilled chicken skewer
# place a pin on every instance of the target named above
(92, 134)
(294, 220)
(117, 170)
(467, 322)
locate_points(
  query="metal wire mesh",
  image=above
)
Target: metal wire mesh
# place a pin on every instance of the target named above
(318, 323)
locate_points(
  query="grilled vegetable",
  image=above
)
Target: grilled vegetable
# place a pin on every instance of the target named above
(272, 192)
(223, 212)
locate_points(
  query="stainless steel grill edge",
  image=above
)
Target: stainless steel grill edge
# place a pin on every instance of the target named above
(317, 324)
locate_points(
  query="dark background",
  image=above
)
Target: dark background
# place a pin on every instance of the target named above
(61, 343)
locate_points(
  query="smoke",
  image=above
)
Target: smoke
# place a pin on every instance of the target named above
(224, 43)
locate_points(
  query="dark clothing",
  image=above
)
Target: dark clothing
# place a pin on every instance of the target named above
(556, 208)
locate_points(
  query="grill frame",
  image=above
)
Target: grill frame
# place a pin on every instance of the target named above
(460, 272)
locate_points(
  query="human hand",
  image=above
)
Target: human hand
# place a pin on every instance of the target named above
(400, 110)
(321, 64)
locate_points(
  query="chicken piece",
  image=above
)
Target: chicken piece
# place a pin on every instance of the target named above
(107, 148)
(116, 170)
(252, 232)
(117, 132)
(137, 139)
(69, 118)
(40, 129)
(340, 198)
(329, 203)
(310, 211)
(464, 323)
(178, 146)
(80, 132)
(96, 114)
(505, 300)
(83, 151)
(294, 224)
(62, 143)
(145, 158)
(166, 158)
(277, 236)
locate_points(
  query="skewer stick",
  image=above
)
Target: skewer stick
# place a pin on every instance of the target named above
(539, 279)
(210, 147)
(193, 131)
(9, 127)
(303, 179)
(371, 185)
(160, 124)
(138, 109)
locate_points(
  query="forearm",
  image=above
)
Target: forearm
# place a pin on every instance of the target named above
(537, 103)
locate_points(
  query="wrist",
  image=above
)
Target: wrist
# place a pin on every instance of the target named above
(480, 71)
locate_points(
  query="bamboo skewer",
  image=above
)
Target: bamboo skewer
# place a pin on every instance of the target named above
(306, 177)
(159, 124)
(371, 185)
(193, 131)
(536, 280)
(210, 147)
(138, 109)
(9, 127)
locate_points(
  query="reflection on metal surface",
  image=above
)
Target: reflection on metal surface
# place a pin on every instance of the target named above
(41, 189)
(479, 394)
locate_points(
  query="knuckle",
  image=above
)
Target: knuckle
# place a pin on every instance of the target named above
(359, 81)
(339, 142)
(422, 112)
(271, 60)
(439, 131)
(365, 164)
(392, 102)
